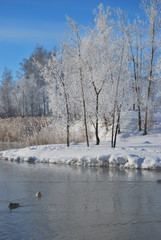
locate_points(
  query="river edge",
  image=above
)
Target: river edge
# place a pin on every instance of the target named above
(141, 157)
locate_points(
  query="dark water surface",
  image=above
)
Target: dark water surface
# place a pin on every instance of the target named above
(79, 203)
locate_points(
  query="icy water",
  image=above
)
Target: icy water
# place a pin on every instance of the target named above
(79, 203)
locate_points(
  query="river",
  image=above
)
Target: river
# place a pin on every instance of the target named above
(78, 203)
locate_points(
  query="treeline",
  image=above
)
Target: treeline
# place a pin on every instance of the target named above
(27, 96)
(98, 74)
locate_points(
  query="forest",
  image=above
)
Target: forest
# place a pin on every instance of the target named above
(98, 74)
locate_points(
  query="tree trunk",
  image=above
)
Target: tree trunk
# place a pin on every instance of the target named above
(67, 112)
(148, 94)
(145, 120)
(97, 137)
(117, 128)
(84, 107)
(146, 108)
(68, 138)
(152, 38)
(139, 117)
(68, 124)
(113, 125)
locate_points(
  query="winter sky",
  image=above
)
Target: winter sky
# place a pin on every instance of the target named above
(25, 23)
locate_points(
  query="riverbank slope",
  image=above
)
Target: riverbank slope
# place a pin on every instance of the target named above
(133, 149)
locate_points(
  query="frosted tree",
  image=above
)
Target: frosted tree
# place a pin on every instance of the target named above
(66, 86)
(119, 91)
(111, 60)
(134, 35)
(158, 84)
(30, 71)
(63, 75)
(20, 97)
(95, 52)
(94, 86)
(152, 9)
(48, 72)
(6, 93)
(56, 73)
(76, 41)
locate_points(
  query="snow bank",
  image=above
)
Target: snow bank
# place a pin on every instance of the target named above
(80, 155)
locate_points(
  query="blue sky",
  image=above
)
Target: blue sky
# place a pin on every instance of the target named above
(25, 23)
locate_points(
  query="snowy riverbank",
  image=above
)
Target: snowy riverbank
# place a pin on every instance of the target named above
(133, 150)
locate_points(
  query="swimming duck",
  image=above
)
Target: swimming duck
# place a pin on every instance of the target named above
(38, 194)
(13, 205)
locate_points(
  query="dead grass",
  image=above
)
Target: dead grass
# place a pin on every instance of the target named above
(21, 132)
(20, 129)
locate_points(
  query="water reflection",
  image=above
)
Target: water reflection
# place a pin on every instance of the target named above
(79, 203)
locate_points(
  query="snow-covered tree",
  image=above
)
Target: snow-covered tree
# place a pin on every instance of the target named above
(134, 37)
(95, 55)
(152, 9)
(76, 41)
(29, 70)
(6, 93)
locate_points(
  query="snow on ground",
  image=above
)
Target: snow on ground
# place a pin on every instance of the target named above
(133, 149)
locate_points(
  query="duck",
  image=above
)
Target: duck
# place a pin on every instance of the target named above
(13, 205)
(159, 181)
(38, 194)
